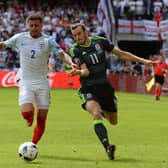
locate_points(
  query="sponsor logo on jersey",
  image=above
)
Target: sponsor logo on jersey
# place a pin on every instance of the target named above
(84, 52)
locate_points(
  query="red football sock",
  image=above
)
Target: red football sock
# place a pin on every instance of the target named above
(158, 92)
(39, 129)
(28, 116)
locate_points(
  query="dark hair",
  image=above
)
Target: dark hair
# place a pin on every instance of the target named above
(35, 16)
(77, 24)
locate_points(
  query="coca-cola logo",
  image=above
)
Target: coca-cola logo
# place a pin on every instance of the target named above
(9, 79)
(56, 79)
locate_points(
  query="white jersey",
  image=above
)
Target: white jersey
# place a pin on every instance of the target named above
(34, 54)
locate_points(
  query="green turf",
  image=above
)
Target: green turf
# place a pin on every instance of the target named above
(69, 141)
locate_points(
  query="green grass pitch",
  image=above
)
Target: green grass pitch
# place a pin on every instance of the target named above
(141, 135)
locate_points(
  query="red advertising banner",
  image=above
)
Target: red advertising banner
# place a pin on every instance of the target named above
(57, 80)
(134, 84)
(122, 83)
(7, 79)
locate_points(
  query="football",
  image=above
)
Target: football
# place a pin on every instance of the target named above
(28, 151)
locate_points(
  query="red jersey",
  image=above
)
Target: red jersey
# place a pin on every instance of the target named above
(159, 68)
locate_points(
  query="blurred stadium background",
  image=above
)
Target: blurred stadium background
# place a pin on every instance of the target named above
(138, 26)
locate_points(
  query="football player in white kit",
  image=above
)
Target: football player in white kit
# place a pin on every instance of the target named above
(34, 49)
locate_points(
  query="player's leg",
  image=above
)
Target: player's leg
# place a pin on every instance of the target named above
(159, 81)
(26, 98)
(90, 103)
(27, 111)
(112, 117)
(40, 125)
(95, 110)
(42, 101)
(109, 106)
(157, 91)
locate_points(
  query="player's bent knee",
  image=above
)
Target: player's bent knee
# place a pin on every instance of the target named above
(96, 115)
(27, 107)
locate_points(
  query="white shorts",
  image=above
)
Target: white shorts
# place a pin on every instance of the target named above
(35, 93)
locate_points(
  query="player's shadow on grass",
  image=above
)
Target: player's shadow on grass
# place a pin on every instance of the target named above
(33, 162)
(117, 160)
(127, 160)
(121, 160)
(65, 158)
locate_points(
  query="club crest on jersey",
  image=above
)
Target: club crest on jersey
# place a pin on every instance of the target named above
(41, 45)
(98, 48)
(89, 95)
(76, 61)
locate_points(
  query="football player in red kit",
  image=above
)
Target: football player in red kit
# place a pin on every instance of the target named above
(159, 75)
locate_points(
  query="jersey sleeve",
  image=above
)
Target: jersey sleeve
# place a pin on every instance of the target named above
(108, 46)
(54, 47)
(12, 42)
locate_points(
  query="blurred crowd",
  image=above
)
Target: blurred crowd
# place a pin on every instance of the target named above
(56, 24)
(140, 9)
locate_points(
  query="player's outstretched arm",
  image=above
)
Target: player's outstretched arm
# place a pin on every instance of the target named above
(131, 57)
(68, 59)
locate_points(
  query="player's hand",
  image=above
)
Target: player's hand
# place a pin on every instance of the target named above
(74, 72)
(73, 65)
